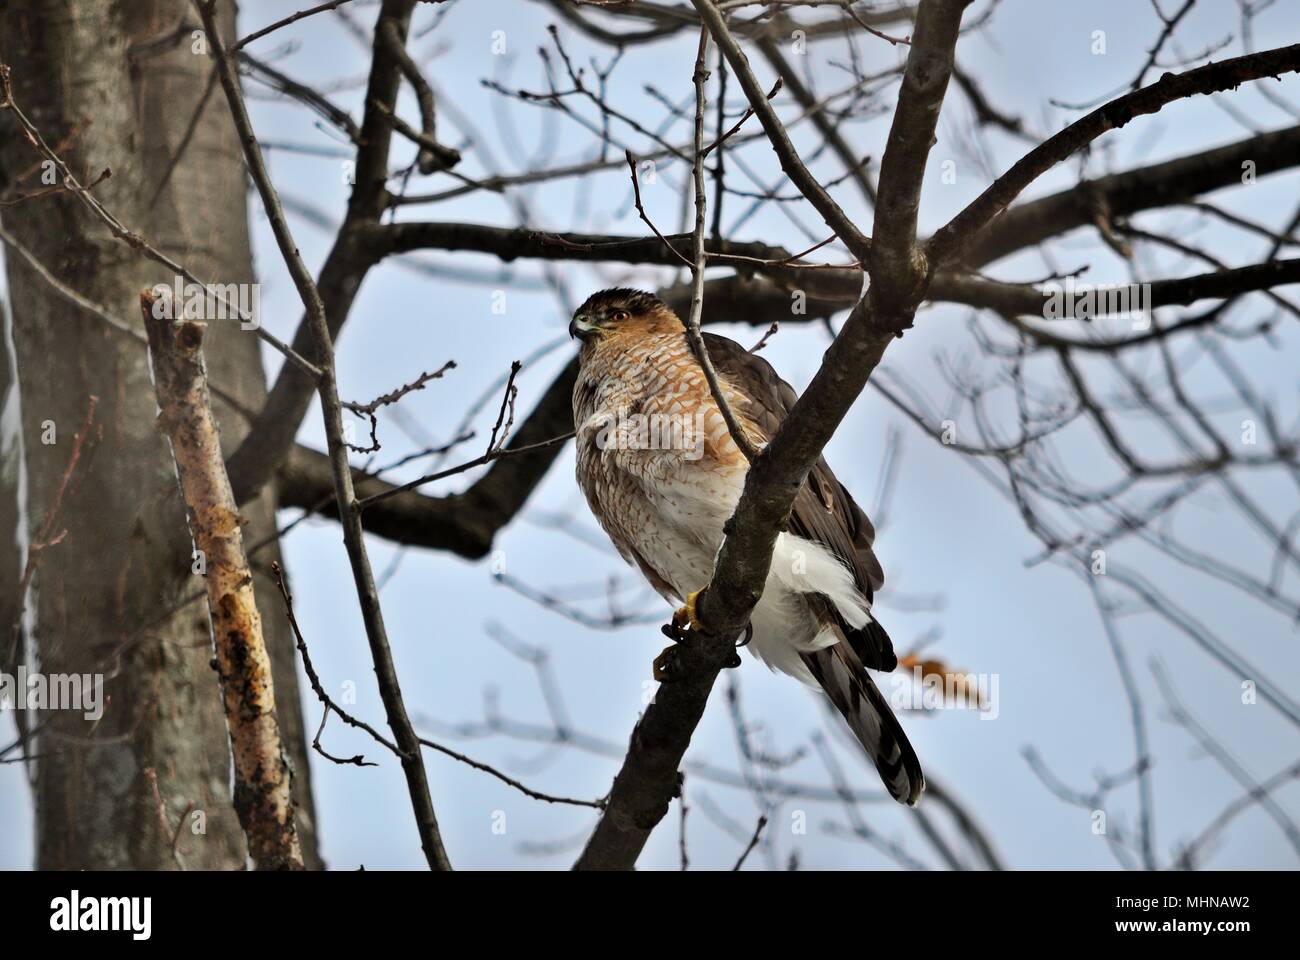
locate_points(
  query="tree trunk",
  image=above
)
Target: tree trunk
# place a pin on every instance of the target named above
(114, 85)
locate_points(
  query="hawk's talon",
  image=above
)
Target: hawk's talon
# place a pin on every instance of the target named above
(684, 625)
(684, 618)
(663, 665)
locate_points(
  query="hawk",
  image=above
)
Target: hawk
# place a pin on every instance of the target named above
(662, 474)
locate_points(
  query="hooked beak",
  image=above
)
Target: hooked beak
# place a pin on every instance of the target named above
(582, 328)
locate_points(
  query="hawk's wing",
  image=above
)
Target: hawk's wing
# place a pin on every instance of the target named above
(823, 510)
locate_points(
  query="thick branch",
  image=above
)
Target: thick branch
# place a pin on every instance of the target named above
(950, 240)
(898, 268)
(327, 390)
(645, 784)
(1026, 299)
(262, 797)
(1132, 191)
(511, 243)
(751, 299)
(821, 121)
(433, 156)
(271, 437)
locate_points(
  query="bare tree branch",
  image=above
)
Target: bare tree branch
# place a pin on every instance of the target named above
(950, 241)
(345, 498)
(644, 785)
(262, 797)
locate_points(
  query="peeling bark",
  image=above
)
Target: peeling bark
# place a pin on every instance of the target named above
(262, 797)
(112, 88)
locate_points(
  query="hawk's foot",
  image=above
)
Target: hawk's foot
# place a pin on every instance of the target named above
(683, 626)
(686, 624)
(664, 664)
(684, 618)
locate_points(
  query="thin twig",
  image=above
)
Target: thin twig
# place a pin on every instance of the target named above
(318, 688)
(294, 18)
(468, 465)
(503, 424)
(511, 781)
(433, 156)
(738, 435)
(349, 514)
(131, 238)
(753, 842)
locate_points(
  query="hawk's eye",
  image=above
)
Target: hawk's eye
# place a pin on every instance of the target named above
(618, 316)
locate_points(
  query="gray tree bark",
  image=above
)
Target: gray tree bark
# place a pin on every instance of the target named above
(114, 85)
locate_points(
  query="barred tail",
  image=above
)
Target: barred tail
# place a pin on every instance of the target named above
(858, 699)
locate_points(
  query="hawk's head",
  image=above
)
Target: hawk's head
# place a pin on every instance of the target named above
(616, 310)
